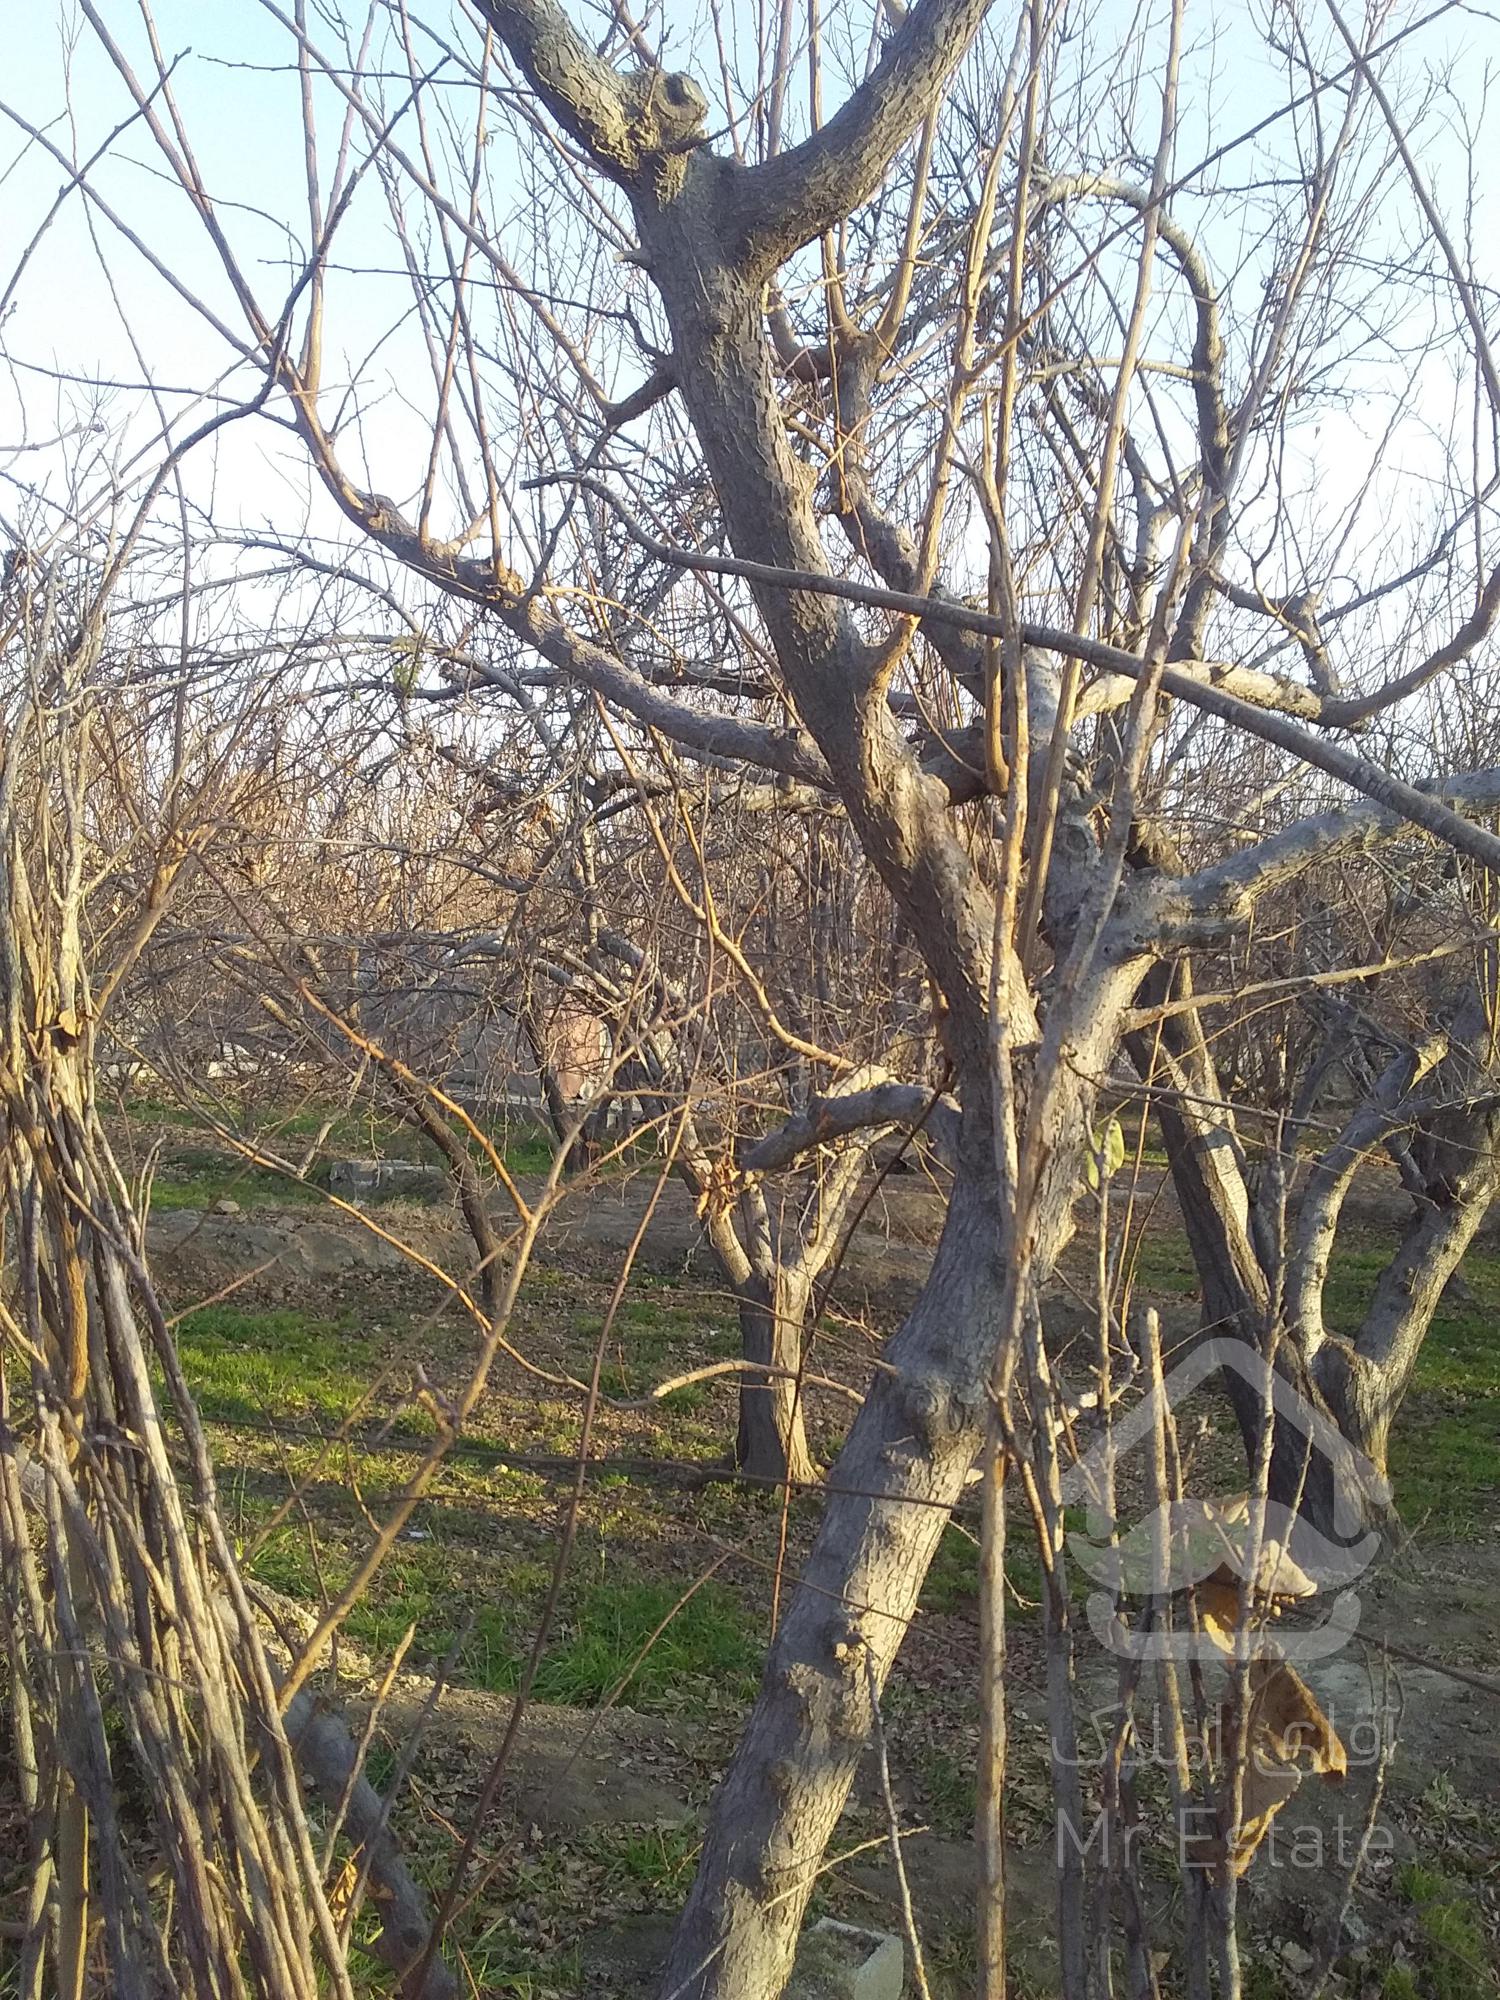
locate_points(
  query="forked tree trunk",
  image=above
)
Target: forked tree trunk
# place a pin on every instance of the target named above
(771, 1444)
(1362, 1401)
(1329, 1440)
(1323, 1489)
(1363, 1382)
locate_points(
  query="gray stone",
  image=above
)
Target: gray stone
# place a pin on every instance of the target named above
(224, 1206)
(169, 1229)
(842, 1962)
(328, 1253)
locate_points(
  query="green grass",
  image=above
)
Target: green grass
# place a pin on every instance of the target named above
(1456, 1960)
(1163, 1263)
(195, 1176)
(458, 1591)
(620, 1381)
(195, 1179)
(500, 1965)
(1445, 1445)
(952, 1581)
(660, 1859)
(949, 1792)
(652, 1339)
(493, 1648)
(271, 1364)
(531, 1154)
(709, 1640)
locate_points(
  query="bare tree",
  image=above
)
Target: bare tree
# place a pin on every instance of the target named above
(122, 1589)
(1002, 451)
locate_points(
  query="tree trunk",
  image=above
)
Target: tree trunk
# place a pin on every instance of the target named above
(772, 1442)
(898, 1475)
(1363, 1403)
(1326, 1493)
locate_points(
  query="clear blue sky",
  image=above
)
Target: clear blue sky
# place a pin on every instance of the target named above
(87, 297)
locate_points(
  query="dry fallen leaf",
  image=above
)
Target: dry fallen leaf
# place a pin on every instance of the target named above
(1288, 1738)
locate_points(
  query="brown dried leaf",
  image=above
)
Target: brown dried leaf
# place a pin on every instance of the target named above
(1289, 1737)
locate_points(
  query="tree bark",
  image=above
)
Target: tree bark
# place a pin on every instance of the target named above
(898, 1475)
(771, 1445)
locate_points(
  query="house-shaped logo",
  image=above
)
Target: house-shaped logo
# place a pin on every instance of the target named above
(1211, 1546)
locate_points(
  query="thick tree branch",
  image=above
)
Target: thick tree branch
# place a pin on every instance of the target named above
(1453, 1170)
(1388, 1106)
(785, 202)
(840, 1114)
(1229, 887)
(1245, 685)
(1211, 693)
(499, 590)
(619, 120)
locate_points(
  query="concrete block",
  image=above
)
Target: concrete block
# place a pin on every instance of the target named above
(842, 1962)
(357, 1178)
